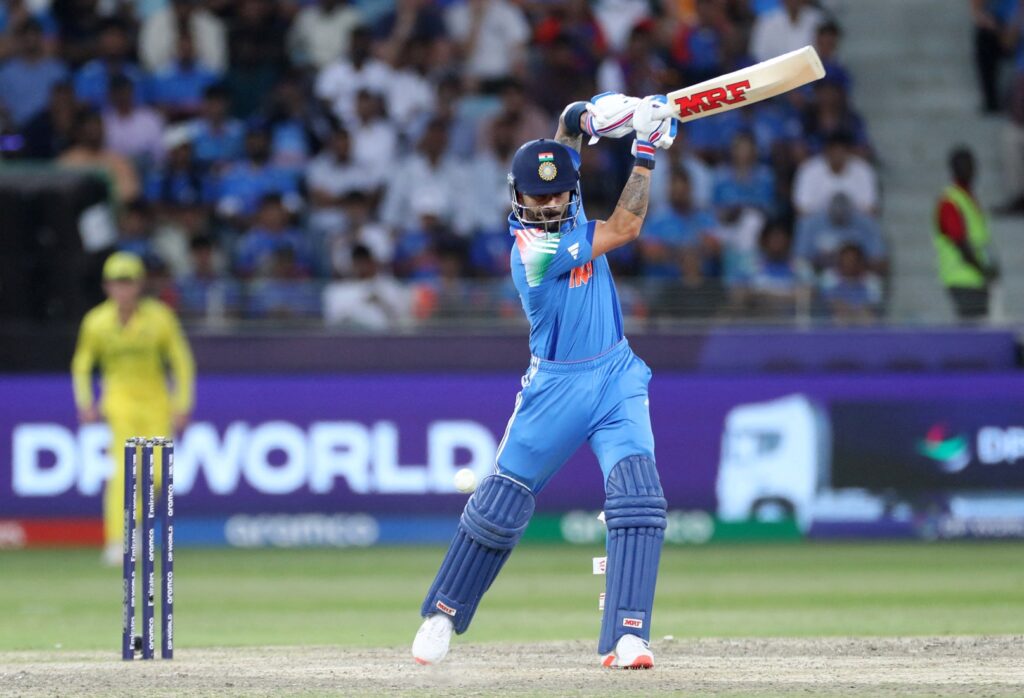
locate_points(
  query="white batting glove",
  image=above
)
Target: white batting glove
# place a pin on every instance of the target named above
(610, 115)
(653, 123)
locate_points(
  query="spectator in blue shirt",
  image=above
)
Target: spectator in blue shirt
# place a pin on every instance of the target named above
(991, 19)
(92, 79)
(417, 19)
(778, 130)
(459, 111)
(678, 228)
(216, 137)
(243, 184)
(298, 125)
(52, 131)
(744, 182)
(693, 295)
(14, 12)
(829, 113)
(135, 228)
(271, 232)
(26, 79)
(851, 293)
(698, 47)
(204, 290)
(820, 236)
(281, 291)
(773, 287)
(827, 44)
(711, 136)
(179, 89)
(179, 182)
(417, 246)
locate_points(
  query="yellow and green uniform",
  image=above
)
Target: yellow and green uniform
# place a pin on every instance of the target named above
(133, 360)
(954, 271)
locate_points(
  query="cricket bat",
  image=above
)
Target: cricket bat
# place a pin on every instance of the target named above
(748, 85)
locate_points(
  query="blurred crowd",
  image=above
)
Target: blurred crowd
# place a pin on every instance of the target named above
(361, 147)
(999, 60)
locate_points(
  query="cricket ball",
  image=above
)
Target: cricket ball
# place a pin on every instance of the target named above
(465, 480)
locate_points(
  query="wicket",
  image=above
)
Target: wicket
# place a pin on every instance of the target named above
(129, 641)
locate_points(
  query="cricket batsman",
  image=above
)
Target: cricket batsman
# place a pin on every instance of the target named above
(133, 339)
(584, 383)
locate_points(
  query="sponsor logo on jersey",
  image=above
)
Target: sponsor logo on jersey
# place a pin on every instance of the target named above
(445, 608)
(574, 250)
(715, 98)
(580, 276)
(632, 623)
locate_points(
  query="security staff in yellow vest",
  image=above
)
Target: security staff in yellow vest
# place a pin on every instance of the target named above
(133, 340)
(966, 264)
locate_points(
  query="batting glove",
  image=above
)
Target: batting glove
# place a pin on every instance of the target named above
(653, 124)
(610, 115)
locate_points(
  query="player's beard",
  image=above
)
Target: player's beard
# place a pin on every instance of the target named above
(550, 218)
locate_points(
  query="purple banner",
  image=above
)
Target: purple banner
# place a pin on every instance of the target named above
(736, 447)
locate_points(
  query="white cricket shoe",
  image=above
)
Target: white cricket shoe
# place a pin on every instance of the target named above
(631, 652)
(432, 639)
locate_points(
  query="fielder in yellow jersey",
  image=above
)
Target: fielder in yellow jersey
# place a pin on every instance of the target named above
(133, 340)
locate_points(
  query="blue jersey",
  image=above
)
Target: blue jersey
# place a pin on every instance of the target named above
(568, 296)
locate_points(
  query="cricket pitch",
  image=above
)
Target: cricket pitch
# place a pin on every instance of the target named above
(921, 666)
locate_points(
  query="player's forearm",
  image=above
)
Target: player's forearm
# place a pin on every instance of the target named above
(632, 205)
(563, 136)
(623, 226)
(82, 386)
(183, 372)
(628, 217)
(572, 125)
(82, 364)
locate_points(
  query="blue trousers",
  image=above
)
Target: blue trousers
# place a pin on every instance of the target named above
(602, 400)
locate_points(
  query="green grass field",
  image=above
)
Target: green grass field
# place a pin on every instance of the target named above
(370, 597)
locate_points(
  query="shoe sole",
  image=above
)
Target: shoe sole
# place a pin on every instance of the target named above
(638, 663)
(642, 663)
(421, 662)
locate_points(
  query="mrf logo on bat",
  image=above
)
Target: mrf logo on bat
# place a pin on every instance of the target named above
(715, 98)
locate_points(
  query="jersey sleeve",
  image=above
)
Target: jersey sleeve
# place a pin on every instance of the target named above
(179, 356)
(86, 352)
(547, 258)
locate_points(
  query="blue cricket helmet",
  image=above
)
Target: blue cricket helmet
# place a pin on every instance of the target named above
(544, 167)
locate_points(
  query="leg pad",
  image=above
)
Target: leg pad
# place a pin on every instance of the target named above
(492, 523)
(635, 515)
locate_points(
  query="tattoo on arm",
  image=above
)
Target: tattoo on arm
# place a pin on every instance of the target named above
(574, 142)
(635, 194)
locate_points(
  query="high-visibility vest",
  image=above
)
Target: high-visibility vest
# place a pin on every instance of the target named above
(953, 269)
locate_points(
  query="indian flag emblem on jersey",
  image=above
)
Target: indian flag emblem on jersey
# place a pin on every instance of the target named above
(537, 251)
